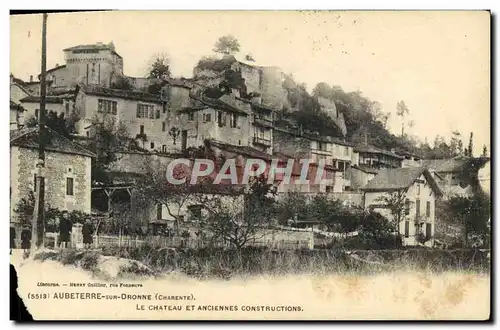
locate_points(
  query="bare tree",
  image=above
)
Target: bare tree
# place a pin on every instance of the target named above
(227, 220)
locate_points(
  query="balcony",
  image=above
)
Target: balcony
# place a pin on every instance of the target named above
(262, 121)
(263, 141)
(321, 152)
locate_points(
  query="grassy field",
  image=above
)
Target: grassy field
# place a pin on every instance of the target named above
(227, 263)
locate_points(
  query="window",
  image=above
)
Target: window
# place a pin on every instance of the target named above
(329, 189)
(159, 208)
(221, 118)
(407, 229)
(428, 209)
(106, 106)
(152, 145)
(67, 108)
(191, 116)
(321, 146)
(428, 230)
(164, 107)
(234, 120)
(146, 111)
(88, 134)
(346, 151)
(164, 148)
(141, 128)
(163, 126)
(36, 113)
(207, 117)
(69, 186)
(157, 111)
(195, 211)
(407, 206)
(417, 208)
(418, 189)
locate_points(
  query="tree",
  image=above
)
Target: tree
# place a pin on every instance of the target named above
(230, 223)
(456, 145)
(398, 206)
(58, 123)
(471, 214)
(485, 151)
(159, 66)
(471, 145)
(227, 44)
(402, 110)
(108, 136)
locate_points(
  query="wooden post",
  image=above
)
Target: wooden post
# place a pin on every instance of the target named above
(38, 221)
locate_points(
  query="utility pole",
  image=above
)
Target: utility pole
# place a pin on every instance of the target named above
(38, 222)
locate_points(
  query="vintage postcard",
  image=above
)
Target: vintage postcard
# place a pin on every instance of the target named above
(251, 165)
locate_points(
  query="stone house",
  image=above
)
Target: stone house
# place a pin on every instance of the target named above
(360, 176)
(456, 176)
(378, 158)
(410, 160)
(336, 153)
(419, 190)
(140, 113)
(60, 102)
(16, 115)
(258, 79)
(93, 64)
(214, 119)
(67, 171)
(18, 89)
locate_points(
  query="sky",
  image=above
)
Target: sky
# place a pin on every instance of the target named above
(437, 62)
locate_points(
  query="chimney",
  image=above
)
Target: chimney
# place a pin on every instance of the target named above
(31, 78)
(57, 65)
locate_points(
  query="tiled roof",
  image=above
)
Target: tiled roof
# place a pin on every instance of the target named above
(121, 93)
(54, 99)
(314, 137)
(399, 178)
(97, 46)
(217, 104)
(28, 138)
(373, 150)
(366, 169)
(243, 150)
(446, 165)
(193, 108)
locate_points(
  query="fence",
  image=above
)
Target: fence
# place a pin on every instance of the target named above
(180, 242)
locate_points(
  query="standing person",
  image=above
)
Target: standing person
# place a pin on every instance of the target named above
(12, 238)
(26, 239)
(64, 230)
(87, 234)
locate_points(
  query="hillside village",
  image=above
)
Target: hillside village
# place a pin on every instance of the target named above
(110, 133)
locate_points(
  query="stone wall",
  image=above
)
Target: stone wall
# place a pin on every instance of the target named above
(58, 167)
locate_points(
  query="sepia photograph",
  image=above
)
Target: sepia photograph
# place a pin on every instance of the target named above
(251, 165)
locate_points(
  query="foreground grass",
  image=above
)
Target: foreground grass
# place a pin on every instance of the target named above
(251, 262)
